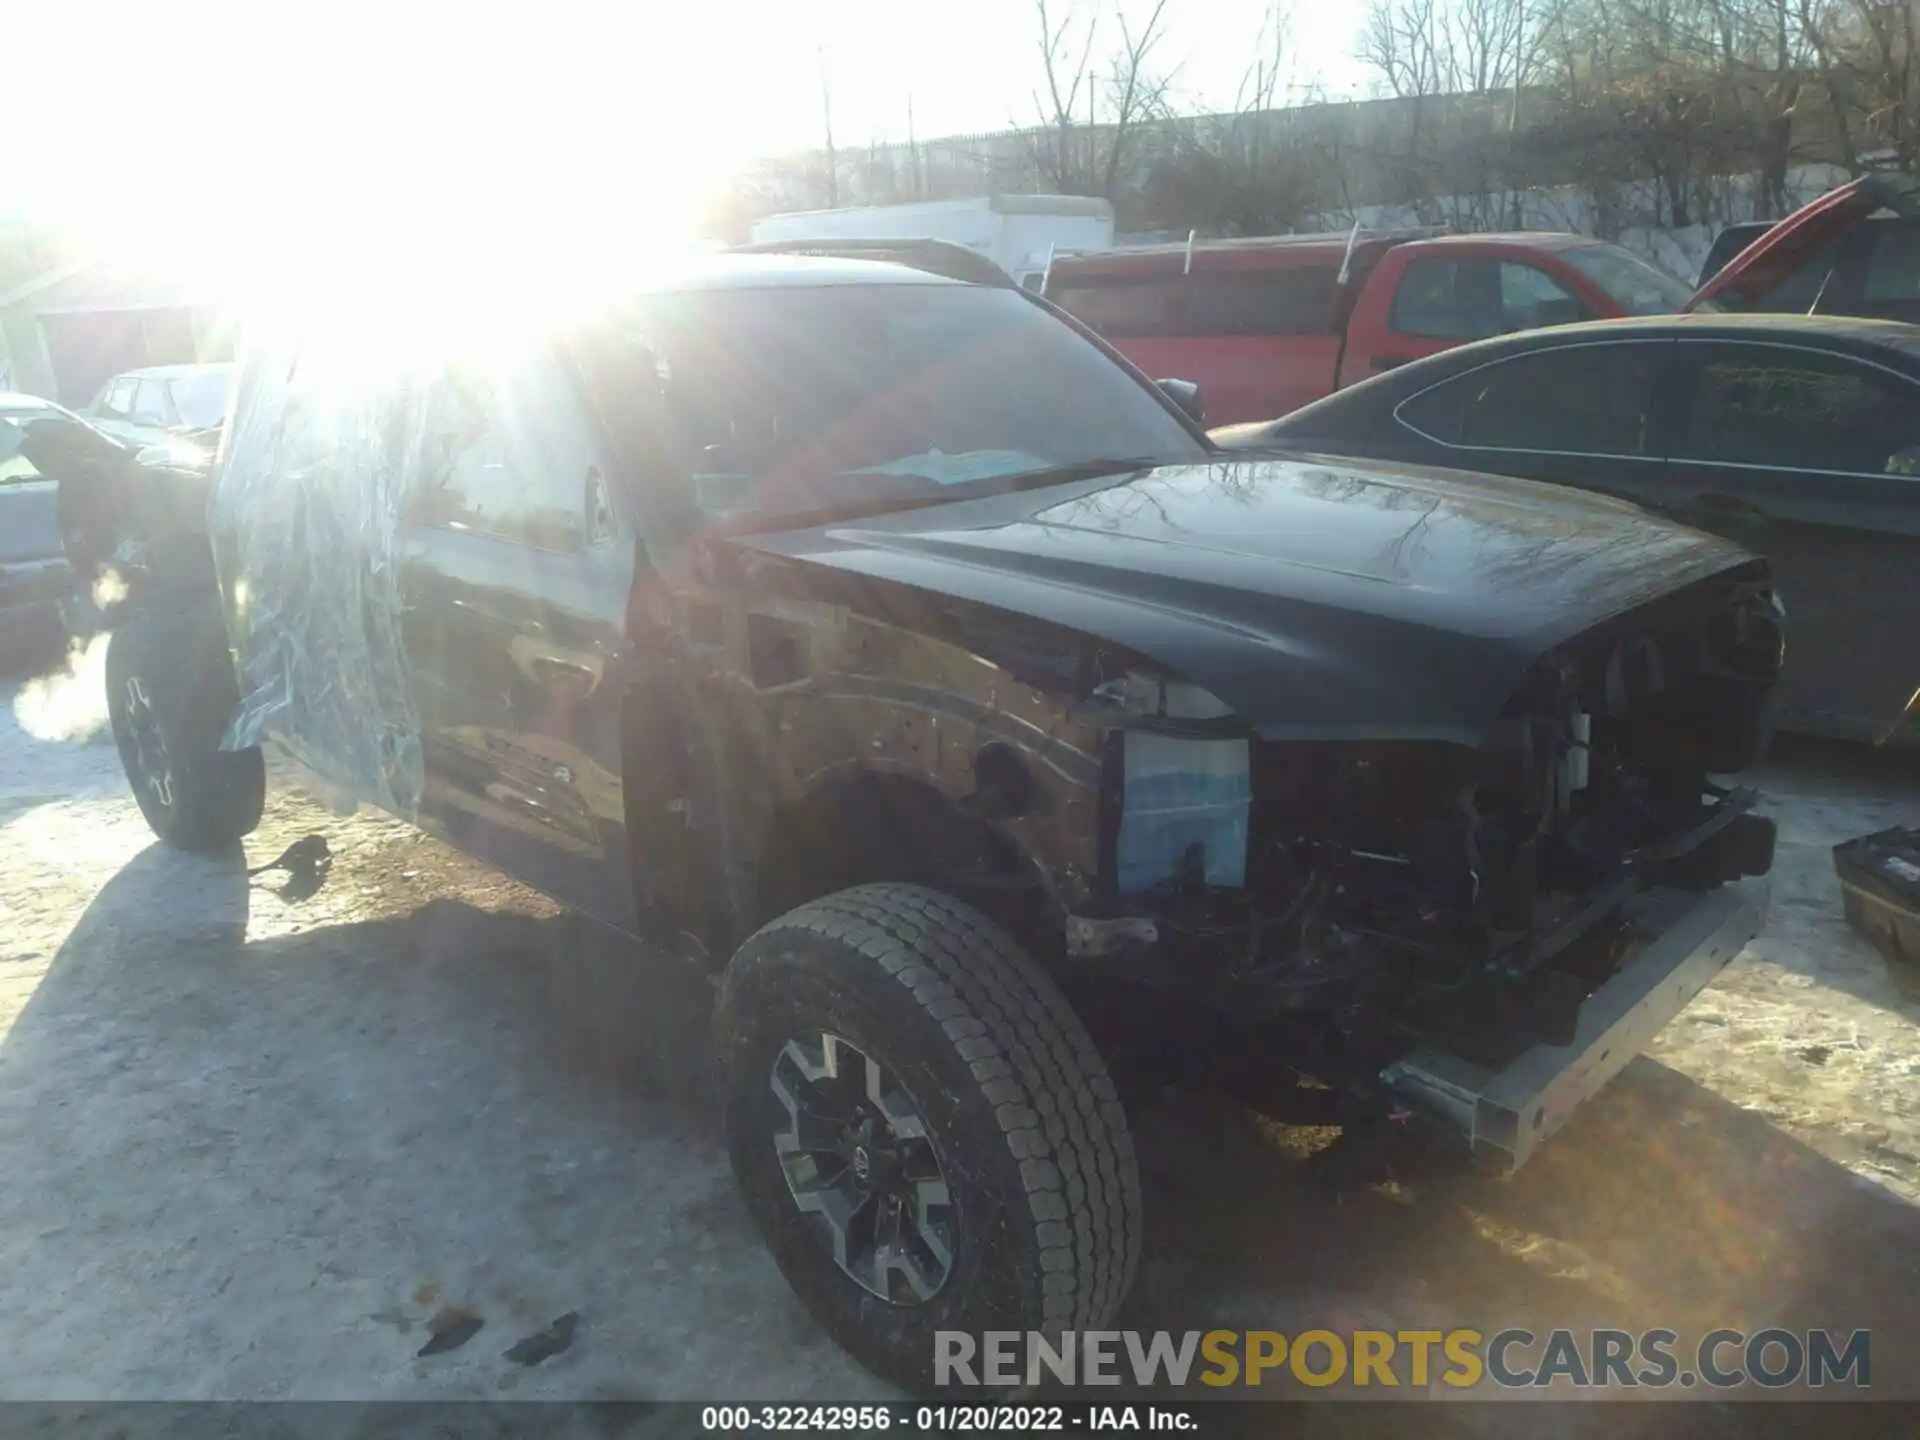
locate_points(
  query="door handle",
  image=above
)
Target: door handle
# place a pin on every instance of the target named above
(553, 667)
(543, 665)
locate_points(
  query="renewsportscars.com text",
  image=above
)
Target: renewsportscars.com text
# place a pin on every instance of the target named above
(1654, 1359)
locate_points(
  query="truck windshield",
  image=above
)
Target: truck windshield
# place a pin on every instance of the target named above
(1638, 286)
(787, 400)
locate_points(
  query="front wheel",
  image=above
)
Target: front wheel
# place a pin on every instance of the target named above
(923, 1131)
(170, 693)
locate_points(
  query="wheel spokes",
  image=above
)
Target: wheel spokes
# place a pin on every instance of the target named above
(912, 1243)
(859, 1163)
(149, 746)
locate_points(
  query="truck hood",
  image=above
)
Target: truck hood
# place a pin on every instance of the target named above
(1774, 258)
(1317, 599)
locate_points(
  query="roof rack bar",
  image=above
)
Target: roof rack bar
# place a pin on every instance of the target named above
(1180, 249)
(1192, 235)
(1346, 260)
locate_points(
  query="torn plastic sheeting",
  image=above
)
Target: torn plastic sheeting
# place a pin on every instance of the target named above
(305, 522)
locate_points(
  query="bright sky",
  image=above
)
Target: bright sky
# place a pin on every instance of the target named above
(348, 125)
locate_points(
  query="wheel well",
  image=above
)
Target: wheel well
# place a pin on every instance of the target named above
(193, 630)
(865, 828)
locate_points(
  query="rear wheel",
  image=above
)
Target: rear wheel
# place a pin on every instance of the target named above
(170, 693)
(924, 1133)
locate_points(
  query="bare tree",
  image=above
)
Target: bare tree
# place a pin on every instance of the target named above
(1066, 64)
(1255, 170)
(1643, 113)
(1136, 94)
(1087, 157)
(826, 127)
(1430, 54)
(1864, 53)
(1260, 85)
(1401, 40)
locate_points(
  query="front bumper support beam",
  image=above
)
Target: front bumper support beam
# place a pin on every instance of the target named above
(1505, 1115)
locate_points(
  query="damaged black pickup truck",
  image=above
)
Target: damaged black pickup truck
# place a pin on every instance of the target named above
(865, 630)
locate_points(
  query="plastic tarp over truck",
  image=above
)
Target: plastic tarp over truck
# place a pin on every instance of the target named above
(1019, 233)
(305, 521)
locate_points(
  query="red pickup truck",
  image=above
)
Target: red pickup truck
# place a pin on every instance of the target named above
(1266, 325)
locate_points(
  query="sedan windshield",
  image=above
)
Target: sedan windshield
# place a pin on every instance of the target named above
(786, 400)
(1637, 285)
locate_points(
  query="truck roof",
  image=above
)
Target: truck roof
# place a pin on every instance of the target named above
(743, 271)
(1279, 251)
(1527, 239)
(1087, 205)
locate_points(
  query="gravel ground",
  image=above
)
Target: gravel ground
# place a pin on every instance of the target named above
(252, 1145)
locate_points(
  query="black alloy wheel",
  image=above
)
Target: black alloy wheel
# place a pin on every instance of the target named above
(858, 1160)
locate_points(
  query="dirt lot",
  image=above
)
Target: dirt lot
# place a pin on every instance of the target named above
(249, 1144)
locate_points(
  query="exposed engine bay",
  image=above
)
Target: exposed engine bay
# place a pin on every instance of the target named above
(1475, 896)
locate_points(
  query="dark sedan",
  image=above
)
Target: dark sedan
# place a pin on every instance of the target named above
(1798, 436)
(34, 577)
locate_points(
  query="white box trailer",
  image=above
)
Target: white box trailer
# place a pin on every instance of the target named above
(1019, 233)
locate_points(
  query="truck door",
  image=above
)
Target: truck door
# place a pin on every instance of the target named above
(517, 570)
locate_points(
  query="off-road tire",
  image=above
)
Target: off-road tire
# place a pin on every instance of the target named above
(1023, 1116)
(181, 666)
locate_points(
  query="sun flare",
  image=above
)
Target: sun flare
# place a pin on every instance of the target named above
(403, 178)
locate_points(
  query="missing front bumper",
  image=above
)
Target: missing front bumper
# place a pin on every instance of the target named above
(1505, 1115)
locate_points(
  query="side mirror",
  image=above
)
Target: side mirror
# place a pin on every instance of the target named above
(1186, 395)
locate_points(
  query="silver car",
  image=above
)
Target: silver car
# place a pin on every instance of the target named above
(34, 577)
(149, 405)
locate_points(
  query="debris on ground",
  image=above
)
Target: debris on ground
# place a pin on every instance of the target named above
(449, 1329)
(1880, 889)
(545, 1344)
(305, 862)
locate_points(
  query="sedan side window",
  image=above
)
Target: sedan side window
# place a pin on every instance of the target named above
(1892, 283)
(1578, 399)
(1782, 408)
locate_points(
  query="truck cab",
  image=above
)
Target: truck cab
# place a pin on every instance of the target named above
(1269, 324)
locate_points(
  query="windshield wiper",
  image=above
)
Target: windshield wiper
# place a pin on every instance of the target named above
(1092, 469)
(867, 507)
(993, 484)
